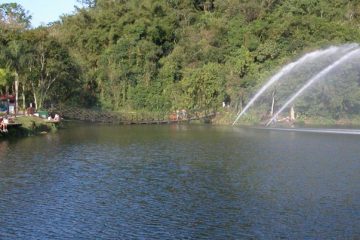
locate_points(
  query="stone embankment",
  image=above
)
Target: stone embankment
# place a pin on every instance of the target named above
(82, 114)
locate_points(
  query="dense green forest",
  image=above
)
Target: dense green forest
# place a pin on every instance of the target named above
(162, 55)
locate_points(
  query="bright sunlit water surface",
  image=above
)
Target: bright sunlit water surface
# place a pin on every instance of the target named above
(180, 182)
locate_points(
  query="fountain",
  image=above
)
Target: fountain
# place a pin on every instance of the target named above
(289, 68)
(312, 81)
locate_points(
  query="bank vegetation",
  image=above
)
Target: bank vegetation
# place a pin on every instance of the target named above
(164, 55)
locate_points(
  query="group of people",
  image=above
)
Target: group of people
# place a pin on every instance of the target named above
(178, 115)
(54, 117)
(4, 121)
(181, 114)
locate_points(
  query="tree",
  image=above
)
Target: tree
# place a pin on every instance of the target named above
(157, 54)
(13, 16)
(204, 87)
(15, 60)
(88, 3)
(52, 66)
(13, 20)
(4, 79)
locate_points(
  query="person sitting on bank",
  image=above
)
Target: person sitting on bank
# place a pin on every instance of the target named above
(30, 110)
(57, 117)
(4, 123)
(183, 114)
(54, 117)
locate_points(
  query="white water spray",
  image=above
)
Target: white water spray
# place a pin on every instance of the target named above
(313, 80)
(287, 69)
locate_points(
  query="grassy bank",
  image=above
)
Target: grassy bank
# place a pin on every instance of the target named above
(227, 117)
(30, 126)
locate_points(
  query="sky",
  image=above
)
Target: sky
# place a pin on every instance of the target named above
(45, 11)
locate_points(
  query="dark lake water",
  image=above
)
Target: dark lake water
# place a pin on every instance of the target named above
(180, 182)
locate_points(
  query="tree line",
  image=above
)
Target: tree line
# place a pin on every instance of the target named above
(162, 55)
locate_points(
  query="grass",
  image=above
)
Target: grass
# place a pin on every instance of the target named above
(30, 125)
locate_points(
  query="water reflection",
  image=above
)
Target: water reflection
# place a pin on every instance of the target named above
(4, 147)
(179, 182)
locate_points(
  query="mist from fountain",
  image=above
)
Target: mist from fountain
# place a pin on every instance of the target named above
(288, 68)
(318, 76)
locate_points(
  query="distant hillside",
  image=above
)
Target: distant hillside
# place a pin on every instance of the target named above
(163, 55)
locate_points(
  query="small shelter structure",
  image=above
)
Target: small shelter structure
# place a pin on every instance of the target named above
(7, 104)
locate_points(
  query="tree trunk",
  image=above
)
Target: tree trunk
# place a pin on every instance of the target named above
(35, 100)
(241, 104)
(272, 103)
(7, 96)
(16, 92)
(23, 97)
(39, 101)
(292, 113)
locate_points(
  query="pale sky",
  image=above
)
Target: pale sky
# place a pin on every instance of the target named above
(45, 11)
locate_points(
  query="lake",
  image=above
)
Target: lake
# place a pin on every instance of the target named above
(180, 182)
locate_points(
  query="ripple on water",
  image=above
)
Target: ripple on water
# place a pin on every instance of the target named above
(166, 182)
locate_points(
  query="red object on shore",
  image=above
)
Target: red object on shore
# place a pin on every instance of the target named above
(6, 97)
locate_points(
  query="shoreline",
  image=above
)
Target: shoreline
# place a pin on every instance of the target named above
(29, 126)
(226, 118)
(32, 125)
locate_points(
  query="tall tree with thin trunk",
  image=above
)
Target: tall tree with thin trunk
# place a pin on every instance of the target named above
(13, 21)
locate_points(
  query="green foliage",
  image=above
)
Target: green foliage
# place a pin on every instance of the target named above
(4, 77)
(54, 75)
(203, 87)
(13, 17)
(161, 55)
